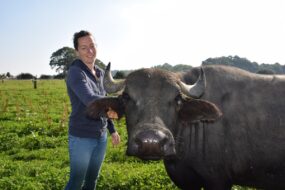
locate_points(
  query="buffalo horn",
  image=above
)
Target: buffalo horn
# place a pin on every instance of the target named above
(196, 90)
(111, 85)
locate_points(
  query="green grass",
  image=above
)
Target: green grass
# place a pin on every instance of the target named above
(33, 148)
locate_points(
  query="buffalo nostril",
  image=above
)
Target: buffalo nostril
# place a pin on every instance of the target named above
(149, 137)
(151, 143)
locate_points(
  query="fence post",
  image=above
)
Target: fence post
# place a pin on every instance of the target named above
(35, 82)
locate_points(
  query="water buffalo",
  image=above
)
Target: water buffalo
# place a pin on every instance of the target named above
(214, 126)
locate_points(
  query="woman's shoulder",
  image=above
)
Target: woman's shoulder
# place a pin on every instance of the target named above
(76, 66)
(77, 63)
(75, 72)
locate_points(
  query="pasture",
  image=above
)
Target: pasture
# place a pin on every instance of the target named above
(33, 148)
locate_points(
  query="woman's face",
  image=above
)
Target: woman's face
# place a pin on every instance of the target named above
(87, 50)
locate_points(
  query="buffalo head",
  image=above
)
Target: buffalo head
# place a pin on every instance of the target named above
(154, 103)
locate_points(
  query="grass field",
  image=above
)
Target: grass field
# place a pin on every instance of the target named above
(33, 148)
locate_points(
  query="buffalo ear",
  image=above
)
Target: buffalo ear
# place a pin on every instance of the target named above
(109, 107)
(194, 110)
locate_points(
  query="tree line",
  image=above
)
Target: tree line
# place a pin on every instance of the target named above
(245, 64)
(61, 60)
(235, 61)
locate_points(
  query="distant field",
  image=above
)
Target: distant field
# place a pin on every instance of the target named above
(33, 148)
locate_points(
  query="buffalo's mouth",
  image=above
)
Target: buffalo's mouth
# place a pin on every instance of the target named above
(154, 158)
(157, 157)
(152, 145)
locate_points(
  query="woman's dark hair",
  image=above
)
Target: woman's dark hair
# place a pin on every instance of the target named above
(78, 35)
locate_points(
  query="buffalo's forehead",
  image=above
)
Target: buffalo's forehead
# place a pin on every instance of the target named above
(152, 76)
(153, 81)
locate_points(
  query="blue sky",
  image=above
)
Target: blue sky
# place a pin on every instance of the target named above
(141, 33)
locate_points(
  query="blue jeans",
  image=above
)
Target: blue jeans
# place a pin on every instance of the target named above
(86, 156)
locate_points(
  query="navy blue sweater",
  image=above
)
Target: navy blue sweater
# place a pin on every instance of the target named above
(83, 88)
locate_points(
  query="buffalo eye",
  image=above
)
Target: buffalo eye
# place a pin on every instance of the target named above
(178, 100)
(126, 97)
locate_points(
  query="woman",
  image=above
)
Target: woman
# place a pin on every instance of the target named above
(87, 137)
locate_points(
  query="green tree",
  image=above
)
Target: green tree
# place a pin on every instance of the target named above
(25, 76)
(235, 61)
(181, 67)
(165, 66)
(8, 75)
(276, 68)
(176, 68)
(61, 59)
(266, 72)
(2, 76)
(119, 75)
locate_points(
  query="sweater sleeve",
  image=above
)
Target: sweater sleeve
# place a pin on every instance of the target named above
(111, 126)
(77, 81)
